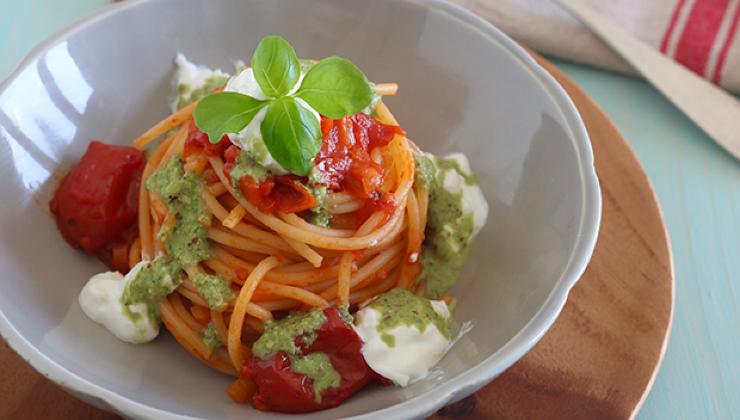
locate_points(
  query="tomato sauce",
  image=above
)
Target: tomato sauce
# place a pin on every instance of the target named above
(281, 389)
(97, 200)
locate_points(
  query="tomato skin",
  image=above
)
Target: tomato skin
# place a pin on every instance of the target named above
(277, 193)
(344, 159)
(97, 200)
(198, 140)
(280, 389)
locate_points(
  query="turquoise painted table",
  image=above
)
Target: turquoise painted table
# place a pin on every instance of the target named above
(697, 183)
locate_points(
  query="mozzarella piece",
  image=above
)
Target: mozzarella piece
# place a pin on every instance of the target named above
(100, 300)
(473, 200)
(413, 354)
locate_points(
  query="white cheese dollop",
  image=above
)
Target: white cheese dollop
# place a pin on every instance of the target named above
(413, 353)
(190, 78)
(250, 138)
(100, 300)
(473, 200)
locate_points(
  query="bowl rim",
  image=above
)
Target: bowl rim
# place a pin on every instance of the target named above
(451, 390)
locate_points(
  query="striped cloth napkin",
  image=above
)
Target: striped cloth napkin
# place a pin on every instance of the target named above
(702, 35)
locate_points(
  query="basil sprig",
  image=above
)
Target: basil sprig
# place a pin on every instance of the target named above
(334, 87)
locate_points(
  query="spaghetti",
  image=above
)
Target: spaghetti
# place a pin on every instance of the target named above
(288, 262)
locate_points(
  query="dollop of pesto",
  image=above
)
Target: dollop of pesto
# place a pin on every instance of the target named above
(210, 337)
(186, 240)
(400, 307)
(282, 335)
(246, 163)
(449, 229)
(186, 94)
(318, 367)
(320, 215)
(153, 282)
(214, 289)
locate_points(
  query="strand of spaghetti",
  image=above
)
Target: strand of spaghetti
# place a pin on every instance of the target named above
(295, 293)
(382, 272)
(196, 163)
(145, 233)
(385, 89)
(253, 309)
(240, 309)
(191, 295)
(176, 147)
(343, 280)
(134, 253)
(335, 198)
(244, 229)
(413, 249)
(372, 291)
(280, 304)
(422, 197)
(264, 292)
(239, 242)
(177, 329)
(190, 339)
(164, 126)
(298, 222)
(297, 278)
(311, 238)
(345, 264)
(398, 228)
(217, 319)
(346, 207)
(313, 257)
(367, 270)
(234, 217)
(186, 316)
(217, 188)
(384, 114)
(250, 257)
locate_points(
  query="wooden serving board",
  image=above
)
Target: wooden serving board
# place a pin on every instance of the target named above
(597, 361)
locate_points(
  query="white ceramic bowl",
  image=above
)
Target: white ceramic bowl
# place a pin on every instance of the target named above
(465, 87)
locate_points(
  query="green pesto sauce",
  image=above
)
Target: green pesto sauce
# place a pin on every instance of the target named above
(344, 313)
(247, 164)
(181, 191)
(320, 215)
(318, 367)
(153, 282)
(452, 164)
(401, 307)
(210, 337)
(425, 170)
(449, 228)
(281, 336)
(214, 289)
(187, 94)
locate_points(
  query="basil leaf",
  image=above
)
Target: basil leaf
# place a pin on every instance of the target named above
(292, 134)
(275, 66)
(335, 87)
(225, 112)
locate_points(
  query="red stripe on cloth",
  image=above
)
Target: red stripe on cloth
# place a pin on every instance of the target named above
(699, 34)
(671, 26)
(717, 77)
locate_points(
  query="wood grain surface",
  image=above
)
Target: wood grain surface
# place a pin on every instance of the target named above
(597, 361)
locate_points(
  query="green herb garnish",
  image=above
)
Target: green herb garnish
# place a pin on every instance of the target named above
(334, 87)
